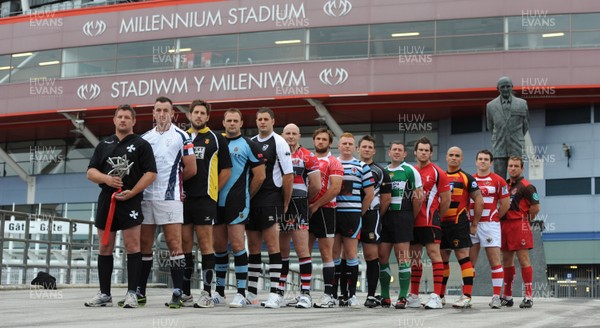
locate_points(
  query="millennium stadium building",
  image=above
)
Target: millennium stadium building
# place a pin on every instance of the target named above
(393, 69)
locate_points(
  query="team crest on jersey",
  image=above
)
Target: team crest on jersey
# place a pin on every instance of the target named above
(206, 141)
(514, 191)
(265, 147)
(130, 148)
(354, 170)
(451, 186)
(487, 183)
(235, 149)
(485, 192)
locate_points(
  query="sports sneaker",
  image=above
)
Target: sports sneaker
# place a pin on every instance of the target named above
(464, 302)
(292, 301)
(495, 303)
(252, 299)
(304, 301)
(413, 301)
(218, 300)
(443, 301)
(507, 302)
(141, 300)
(239, 301)
(326, 301)
(435, 302)
(353, 302)
(130, 301)
(526, 303)
(275, 301)
(176, 301)
(385, 302)
(342, 302)
(187, 300)
(99, 300)
(205, 301)
(372, 302)
(401, 303)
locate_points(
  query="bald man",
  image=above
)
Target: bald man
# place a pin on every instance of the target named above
(455, 224)
(307, 184)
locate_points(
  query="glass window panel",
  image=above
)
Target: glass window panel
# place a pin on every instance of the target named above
(585, 21)
(146, 48)
(93, 53)
(271, 55)
(538, 40)
(339, 50)
(395, 31)
(563, 187)
(35, 58)
(585, 39)
(470, 26)
(102, 67)
(4, 68)
(567, 116)
(596, 113)
(466, 124)
(82, 211)
(36, 72)
(470, 43)
(268, 39)
(339, 34)
(151, 63)
(404, 46)
(538, 21)
(597, 186)
(210, 51)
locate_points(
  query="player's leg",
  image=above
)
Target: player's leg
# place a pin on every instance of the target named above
(204, 233)
(385, 274)
(187, 245)
(220, 237)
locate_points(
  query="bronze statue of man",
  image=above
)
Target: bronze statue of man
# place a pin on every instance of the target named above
(508, 122)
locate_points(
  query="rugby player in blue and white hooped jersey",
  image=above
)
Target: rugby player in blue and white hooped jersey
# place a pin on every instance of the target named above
(268, 206)
(352, 202)
(163, 200)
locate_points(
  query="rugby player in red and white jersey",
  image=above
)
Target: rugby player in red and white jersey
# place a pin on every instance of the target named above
(427, 231)
(487, 232)
(322, 211)
(307, 183)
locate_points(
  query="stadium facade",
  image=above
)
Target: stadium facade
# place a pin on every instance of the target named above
(393, 69)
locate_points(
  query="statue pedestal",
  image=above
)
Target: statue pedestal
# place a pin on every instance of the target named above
(482, 285)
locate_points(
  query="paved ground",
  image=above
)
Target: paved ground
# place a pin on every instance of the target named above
(64, 308)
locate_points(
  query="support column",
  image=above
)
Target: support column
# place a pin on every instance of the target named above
(324, 113)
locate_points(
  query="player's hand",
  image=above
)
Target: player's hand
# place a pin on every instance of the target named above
(114, 182)
(124, 195)
(473, 229)
(312, 209)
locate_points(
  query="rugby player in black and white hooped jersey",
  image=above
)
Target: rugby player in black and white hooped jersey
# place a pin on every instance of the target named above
(268, 206)
(163, 200)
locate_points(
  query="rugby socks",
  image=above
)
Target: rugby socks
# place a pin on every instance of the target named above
(177, 263)
(221, 266)
(105, 269)
(385, 275)
(509, 276)
(403, 278)
(352, 274)
(275, 273)
(336, 279)
(438, 276)
(467, 275)
(497, 279)
(372, 276)
(344, 278)
(527, 274)
(145, 272)
(285, 270)
(187, 273)
(416, 271)
(328, 277)
(134, 266)
(445, 279)
(208, 271)
(240, 260)
(254, 269)
(305, 274)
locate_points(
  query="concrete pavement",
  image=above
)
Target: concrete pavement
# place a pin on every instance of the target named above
(64, 308)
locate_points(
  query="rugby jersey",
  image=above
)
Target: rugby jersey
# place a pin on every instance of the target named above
(493, 188)
(357, 175)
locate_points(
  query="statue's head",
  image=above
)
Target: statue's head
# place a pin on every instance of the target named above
(505, 87)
